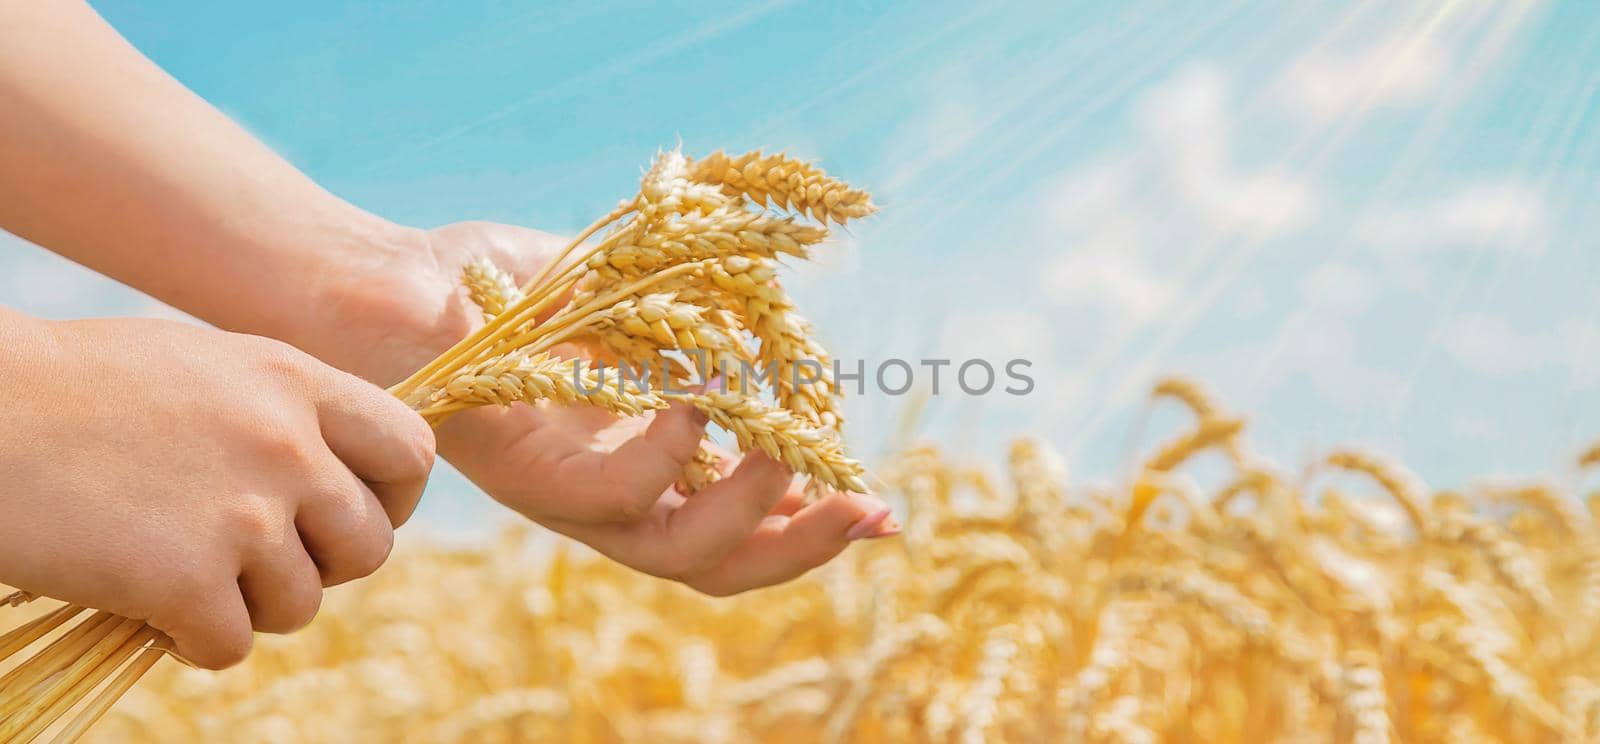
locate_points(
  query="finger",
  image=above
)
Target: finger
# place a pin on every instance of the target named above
(211, 628)
(624, 484)
(281, 586)
(784, 547)
(793, 500)
(385, 444)
(702, 531)
(344, 529)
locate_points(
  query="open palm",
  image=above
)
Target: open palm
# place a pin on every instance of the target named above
(608, 482)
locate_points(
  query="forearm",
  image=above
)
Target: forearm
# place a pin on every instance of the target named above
(107, 160)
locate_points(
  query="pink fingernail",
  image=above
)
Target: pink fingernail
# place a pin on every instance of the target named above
(714, 382)
(869, 525)
(889, 528)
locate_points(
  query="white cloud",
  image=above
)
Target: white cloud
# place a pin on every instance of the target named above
(999, 336)
(33, 281)
(940, 134)
(1324, 355)
(1340, 289)
(1129, 220)
(1474, 427)
(1327, 352)
(839, 256)
(1324, 85)
(1250, 301)
(37, 282)
(996, 335)
(1187, 119)
(1115, 282)
(1504, 216)
(1490, 345)
(1577, 348)
(1094, 197)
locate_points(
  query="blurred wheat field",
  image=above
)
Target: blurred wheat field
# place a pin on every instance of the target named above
(1360, 607)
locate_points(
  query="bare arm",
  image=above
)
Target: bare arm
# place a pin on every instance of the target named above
(109, 161)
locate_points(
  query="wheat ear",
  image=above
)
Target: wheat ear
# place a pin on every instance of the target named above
(1590, 457)
(786, 182)
(489, 287)
(757, 425)
(699, 472)
(1209, 433)
(539, 376)
(1405, 488)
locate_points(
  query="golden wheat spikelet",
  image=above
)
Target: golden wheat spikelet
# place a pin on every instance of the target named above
(788, 345)
(1366, 702)
(699, 472)
(1506, 558)
(757, 425)
(729, 231)
(659, 318)
(490, 288)
(1192, 393)
(667, 189)
(1208, 433)
(1403, 486)
(540, 376)
(785, 181)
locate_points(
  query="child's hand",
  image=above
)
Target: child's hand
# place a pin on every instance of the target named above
(579, 471)
(204, 481)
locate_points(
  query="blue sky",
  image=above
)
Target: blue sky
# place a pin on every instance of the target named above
(1361, 222)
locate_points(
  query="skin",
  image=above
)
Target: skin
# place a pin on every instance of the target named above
(107, 160)
(266, 498)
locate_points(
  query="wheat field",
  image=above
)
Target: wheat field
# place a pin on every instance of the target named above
(1346, 603)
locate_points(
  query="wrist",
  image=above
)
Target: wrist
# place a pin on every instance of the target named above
(382, 306)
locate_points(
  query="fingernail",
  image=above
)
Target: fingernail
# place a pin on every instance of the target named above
(869, 525)
(889, 528)
(713, 383)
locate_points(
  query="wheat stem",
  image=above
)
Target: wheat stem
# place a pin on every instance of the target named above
(615, 214)
(499, 331)
(52, 659)
(124, 681)
(85, 673)
(24, 636)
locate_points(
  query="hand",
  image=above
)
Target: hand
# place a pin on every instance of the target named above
(206, 482)
(602, 480)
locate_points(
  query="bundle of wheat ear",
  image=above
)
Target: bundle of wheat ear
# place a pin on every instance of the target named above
(681, 282)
